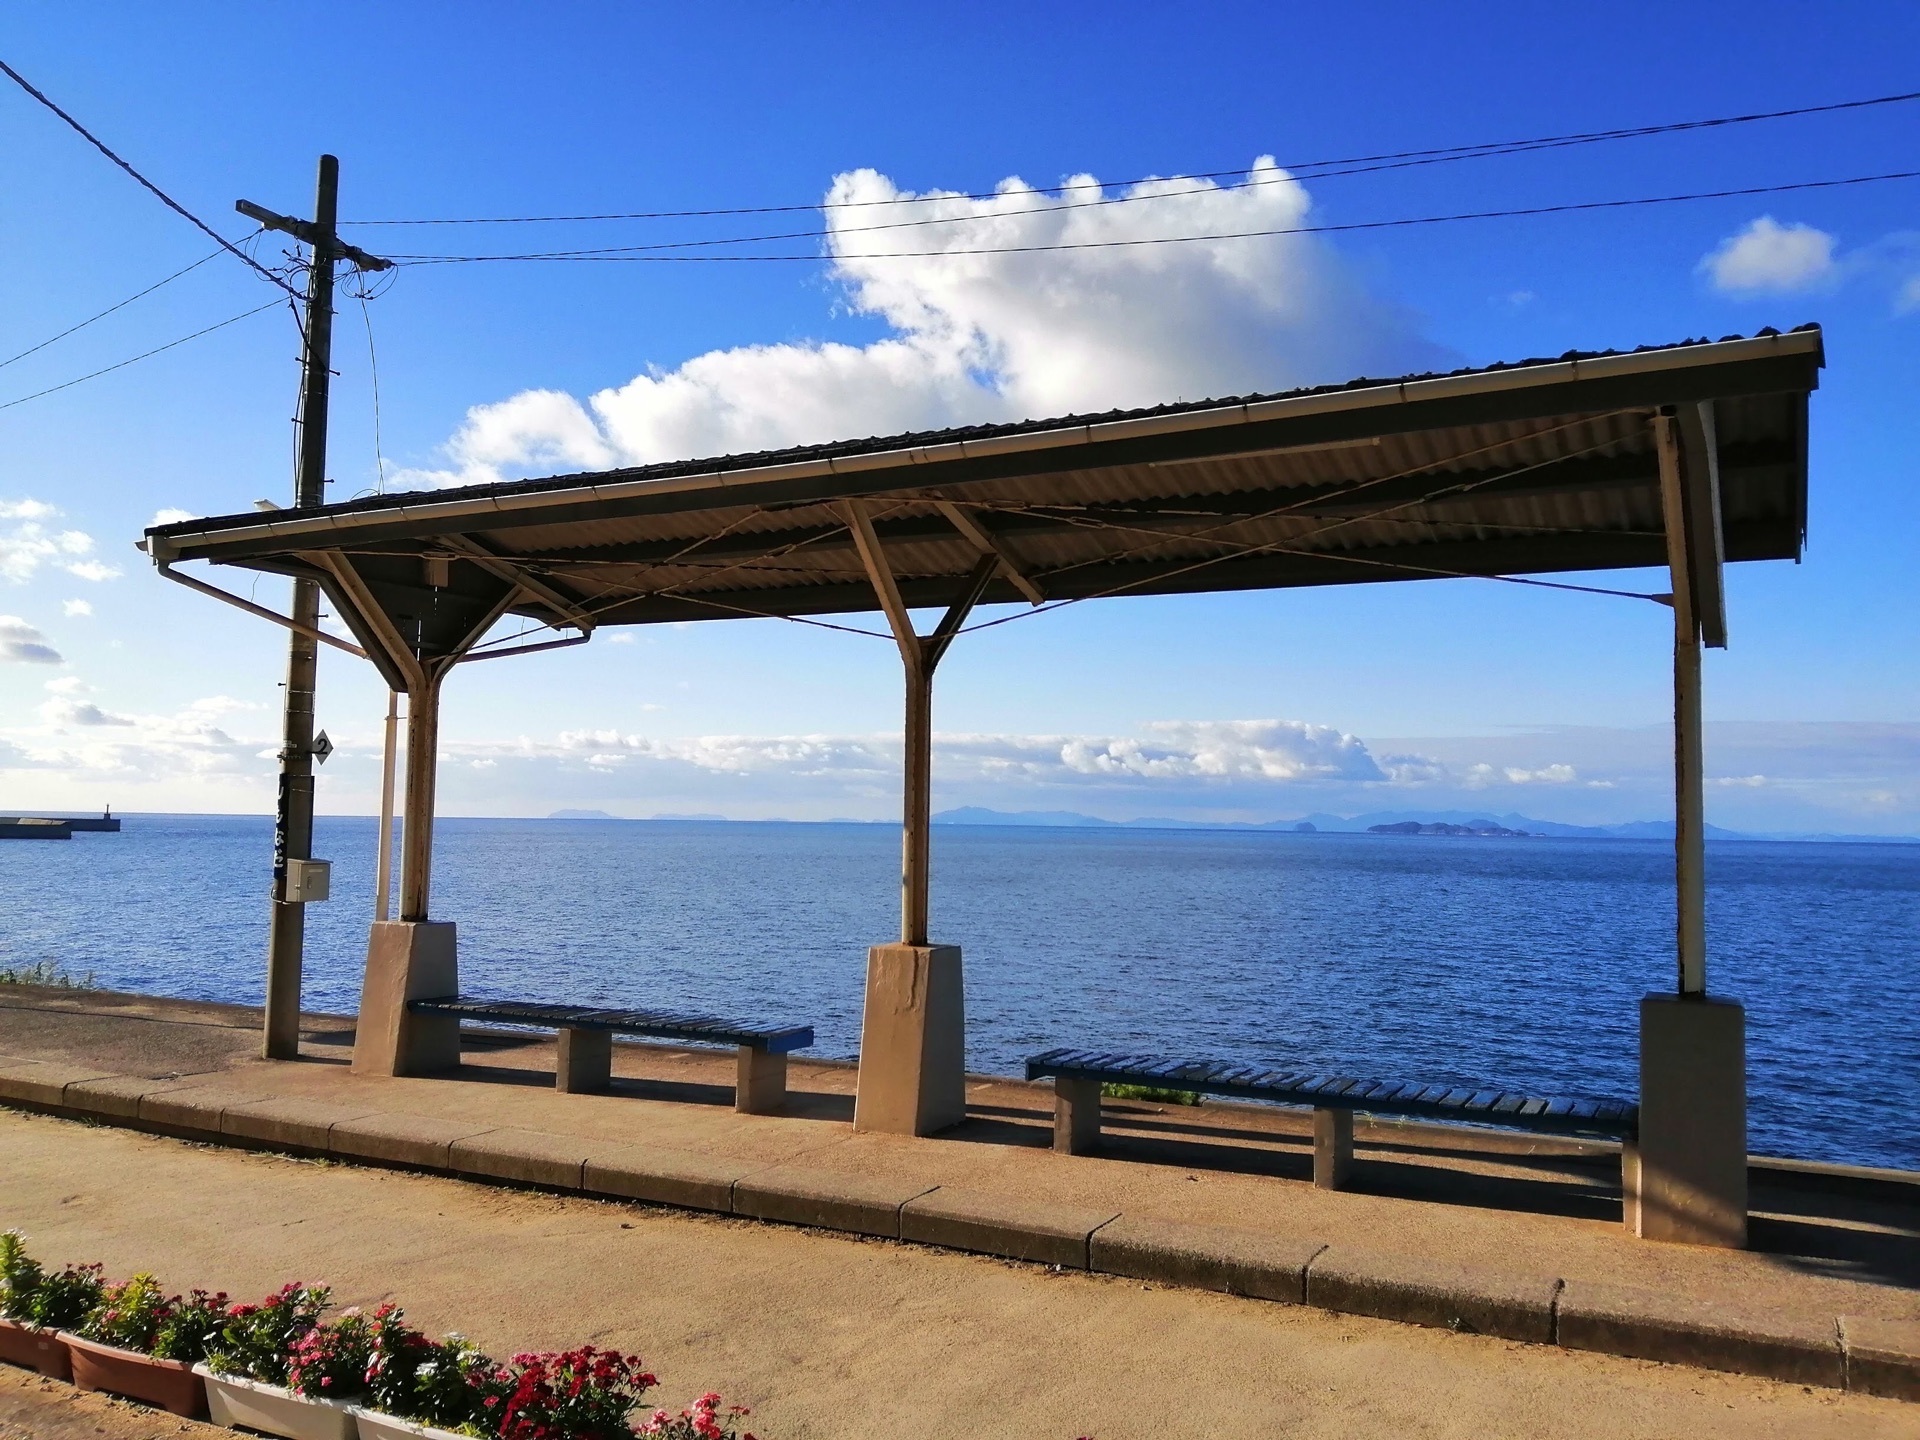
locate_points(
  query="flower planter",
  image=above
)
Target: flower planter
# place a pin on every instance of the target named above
(376, 1426)
(36, 1349)
(169, 1384)
(233, 1401)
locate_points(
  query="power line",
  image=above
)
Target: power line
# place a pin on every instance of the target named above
(74, 329)
(164, 198)
(1328, 169)
(144, 355)
(655, 252)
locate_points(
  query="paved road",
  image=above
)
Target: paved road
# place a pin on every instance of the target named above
(830, 1337)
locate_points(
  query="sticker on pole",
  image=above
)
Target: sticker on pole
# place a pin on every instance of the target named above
(322, 747)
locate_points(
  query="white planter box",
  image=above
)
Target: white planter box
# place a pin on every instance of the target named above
(376, 1426)
(233, 1401)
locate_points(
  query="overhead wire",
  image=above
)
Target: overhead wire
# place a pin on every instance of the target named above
(273, 304)
(655, 252)
(1326, 168)
(161, 195)
(137, 295)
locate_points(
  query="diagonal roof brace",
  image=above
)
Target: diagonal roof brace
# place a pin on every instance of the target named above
(1690, 506)
(567, 608)
(990, 544)
(1700, 483)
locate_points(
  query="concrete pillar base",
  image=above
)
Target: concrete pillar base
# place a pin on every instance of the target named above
(1685, 1178)
(912, 1041)
(407, 960)
(1076, 1115)
(583, 1062)
(759, 1082)
(1332, 1148)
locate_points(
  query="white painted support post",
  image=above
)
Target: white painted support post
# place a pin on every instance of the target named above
(383, 871)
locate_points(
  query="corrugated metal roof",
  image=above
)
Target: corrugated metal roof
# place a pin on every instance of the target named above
(1524, 468)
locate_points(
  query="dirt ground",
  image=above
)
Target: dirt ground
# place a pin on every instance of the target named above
(825, 1336)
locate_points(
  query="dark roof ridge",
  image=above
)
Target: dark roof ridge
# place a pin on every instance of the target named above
(873, 444)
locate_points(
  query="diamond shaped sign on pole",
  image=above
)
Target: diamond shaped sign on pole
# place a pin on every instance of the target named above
(322, 747)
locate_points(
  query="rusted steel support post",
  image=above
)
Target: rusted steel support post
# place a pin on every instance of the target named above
(916, 844)
(1689, 815)
(416, 836)
(1689, 779)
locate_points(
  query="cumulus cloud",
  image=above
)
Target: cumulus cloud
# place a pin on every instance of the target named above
(20, 643)
(190, 753)
(976, 337)
(27, 544)
(76, 609)
(169, 516)
(1768, 258)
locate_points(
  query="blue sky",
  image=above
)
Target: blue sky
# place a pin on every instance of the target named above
(1456, 694)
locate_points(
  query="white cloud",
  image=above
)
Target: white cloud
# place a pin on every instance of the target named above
(20, 643)
(76, 609)
(1770, 258)
(1907, 301)
(169, 516)
(981, 337)
(27, 544)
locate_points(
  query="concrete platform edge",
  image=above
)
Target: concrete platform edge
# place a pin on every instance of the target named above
(1209, 1257)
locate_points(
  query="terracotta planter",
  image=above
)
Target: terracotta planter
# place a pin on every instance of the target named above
(376, 1426)
(169, 1384)
(36, 1349)
(232, 1401)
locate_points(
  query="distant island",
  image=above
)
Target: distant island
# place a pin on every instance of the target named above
(1441, 827)
(1391, 822)
(604, 815)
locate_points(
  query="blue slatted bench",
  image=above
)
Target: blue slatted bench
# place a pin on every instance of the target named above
(586, 1042)
(1077, 1076)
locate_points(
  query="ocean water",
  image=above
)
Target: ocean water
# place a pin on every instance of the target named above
(1510, 962)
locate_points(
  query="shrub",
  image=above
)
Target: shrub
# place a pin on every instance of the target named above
(19, 1276)
(191, 1327)
(129, 1315)
(330, 1361)
(583, 1394)
(62, 1300)
(396, 1352)
(702, 1420)
(1153, 1094)
(256, 1341)
(44, 972)
(457, 1387)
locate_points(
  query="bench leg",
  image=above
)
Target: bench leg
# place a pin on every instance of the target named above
(1332, 1148)
(1076, 1115)
(586, 1062)
(760, 1082)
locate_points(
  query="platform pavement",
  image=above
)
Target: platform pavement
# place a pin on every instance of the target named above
(1507, 1235)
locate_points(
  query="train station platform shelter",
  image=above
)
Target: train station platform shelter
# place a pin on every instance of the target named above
(1681, 458)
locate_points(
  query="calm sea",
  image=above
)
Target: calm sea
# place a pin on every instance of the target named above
(1510, 962)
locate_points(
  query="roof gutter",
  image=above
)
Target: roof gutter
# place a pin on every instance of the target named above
(1403, 392)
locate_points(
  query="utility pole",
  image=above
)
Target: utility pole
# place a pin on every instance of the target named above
(293, 820)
